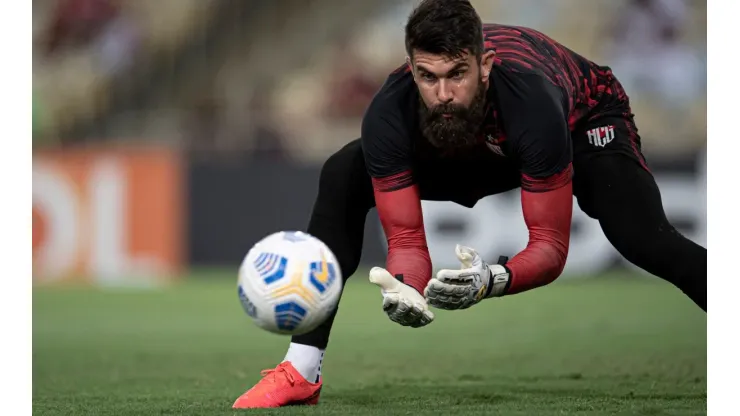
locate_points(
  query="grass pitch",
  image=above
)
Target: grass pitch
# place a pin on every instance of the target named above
(607, 345)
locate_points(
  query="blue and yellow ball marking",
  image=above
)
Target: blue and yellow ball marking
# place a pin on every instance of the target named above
(270, 267)
(288, 315)
(247, 305)
(296, 287)
(323, 274)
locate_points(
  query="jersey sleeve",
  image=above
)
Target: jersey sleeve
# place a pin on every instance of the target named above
(536, 124)
(387, 148)
(534, 117)
(548, 218)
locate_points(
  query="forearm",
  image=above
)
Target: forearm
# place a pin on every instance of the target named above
(547, 214)
(401, 217)
(539, 264)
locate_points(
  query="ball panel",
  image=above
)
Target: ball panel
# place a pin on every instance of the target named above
(270, 267)
(247, 304)
(288, 315)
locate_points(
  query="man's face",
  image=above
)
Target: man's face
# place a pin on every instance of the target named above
(453, 95)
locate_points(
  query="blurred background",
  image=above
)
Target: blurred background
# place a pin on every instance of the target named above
(171, 135)
(167, 133)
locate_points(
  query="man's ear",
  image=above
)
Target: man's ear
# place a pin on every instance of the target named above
(486, 65)
(411, 66)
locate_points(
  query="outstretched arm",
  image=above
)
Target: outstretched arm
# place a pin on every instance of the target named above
(547, 205)
(400, 214)
(387, 150)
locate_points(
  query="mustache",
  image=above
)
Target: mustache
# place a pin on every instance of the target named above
(441, 109)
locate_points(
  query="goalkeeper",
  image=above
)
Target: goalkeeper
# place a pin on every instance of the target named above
(478, 110)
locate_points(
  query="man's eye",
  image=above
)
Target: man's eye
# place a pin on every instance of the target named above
(427, 77)
(457, 75)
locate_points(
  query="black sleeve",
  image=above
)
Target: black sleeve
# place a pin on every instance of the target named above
(534, 117)
(386, 144)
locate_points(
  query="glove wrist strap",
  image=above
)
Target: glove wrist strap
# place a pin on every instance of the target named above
(499, 279)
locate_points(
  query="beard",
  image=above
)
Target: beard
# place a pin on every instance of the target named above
(459, 130)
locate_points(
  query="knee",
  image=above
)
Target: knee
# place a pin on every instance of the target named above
(644, 245)
(629, 241)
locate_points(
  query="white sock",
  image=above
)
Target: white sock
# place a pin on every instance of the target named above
(307, 360)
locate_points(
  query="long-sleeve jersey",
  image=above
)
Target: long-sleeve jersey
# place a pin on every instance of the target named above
(539, 91)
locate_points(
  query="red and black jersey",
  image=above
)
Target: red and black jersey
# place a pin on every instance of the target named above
(539, 92)
(583, 83)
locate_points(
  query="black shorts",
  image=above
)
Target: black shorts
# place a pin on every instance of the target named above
(606, 149)
(611, 133)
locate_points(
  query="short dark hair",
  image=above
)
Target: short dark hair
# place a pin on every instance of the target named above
(445, 27)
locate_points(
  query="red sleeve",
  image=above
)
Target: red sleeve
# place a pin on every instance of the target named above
(548, 206)
(399, 208)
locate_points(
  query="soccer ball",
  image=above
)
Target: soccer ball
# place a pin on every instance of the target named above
(289, 283)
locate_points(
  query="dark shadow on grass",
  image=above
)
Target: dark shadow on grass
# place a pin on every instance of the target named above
(411, 396)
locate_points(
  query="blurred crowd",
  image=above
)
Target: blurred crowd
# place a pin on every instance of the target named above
(290, 79)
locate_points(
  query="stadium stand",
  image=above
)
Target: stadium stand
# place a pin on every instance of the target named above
(289, 79)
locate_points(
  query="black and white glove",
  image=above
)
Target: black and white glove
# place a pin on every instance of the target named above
(475, 281)
(402, 303)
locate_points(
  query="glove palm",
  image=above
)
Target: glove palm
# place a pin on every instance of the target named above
(461, 289)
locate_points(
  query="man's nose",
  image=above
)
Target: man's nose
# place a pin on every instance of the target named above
(444, 92)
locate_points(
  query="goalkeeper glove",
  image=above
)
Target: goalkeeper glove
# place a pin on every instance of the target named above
(402, 303)
(475, 281)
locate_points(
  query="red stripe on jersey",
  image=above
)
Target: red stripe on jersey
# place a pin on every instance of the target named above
(393, 182)
(550, 183)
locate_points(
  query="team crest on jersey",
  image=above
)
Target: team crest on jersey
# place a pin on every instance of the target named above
(494, 145)
(601, 136)
(494, 135)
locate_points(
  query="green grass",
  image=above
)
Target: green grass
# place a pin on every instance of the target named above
(612, 345)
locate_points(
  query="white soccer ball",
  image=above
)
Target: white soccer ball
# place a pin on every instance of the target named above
(289, 283)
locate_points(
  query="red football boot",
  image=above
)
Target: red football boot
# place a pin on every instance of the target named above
(280, 386)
